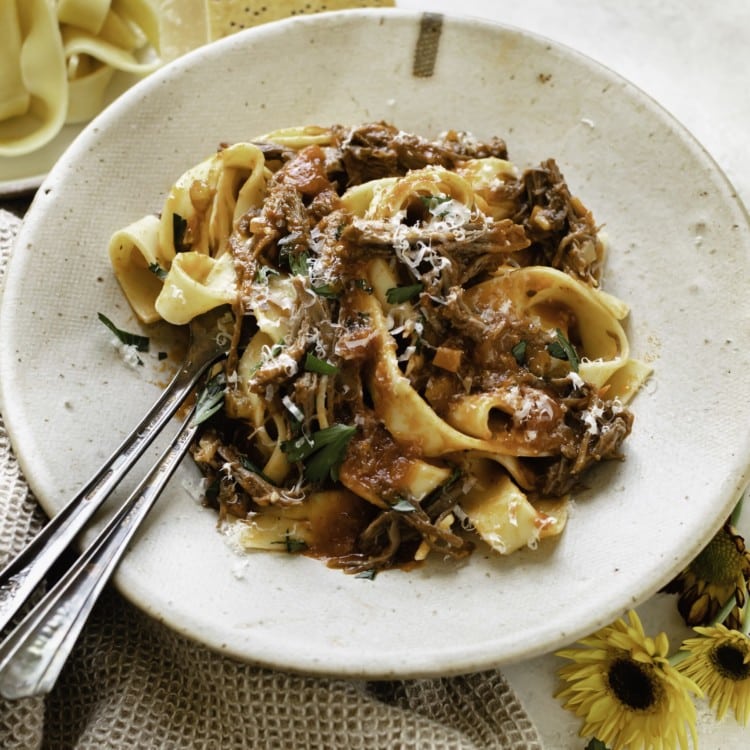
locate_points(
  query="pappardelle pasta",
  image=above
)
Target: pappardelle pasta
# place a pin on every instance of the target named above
(422, 355)
(58, 58)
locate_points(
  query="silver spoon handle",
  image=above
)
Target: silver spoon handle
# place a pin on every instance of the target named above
(23, 574)
(33, 655)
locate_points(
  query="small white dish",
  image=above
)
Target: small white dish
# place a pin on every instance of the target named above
(680, 255)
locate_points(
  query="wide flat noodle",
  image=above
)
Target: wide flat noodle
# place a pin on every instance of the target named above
(42, 72)
(502, 514)
(176, 278)
(58, 61)
(559, 301)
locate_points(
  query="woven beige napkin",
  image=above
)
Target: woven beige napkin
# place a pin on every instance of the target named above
(133, 683)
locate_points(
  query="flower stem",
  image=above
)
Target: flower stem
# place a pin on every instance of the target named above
(724, 611)
(745, 614)
(737, 512)
(678, 656)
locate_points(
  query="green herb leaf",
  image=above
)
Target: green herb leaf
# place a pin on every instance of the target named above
(364, 285)
(298, 263)
(292, 544)
(179, 229)
(210, 399)
(158, 271)
(519, 351)
(327, 290)
(247, 464)
(398, 294)
(367, 575)
(322, 452)
(595, 744)
(141, 343)
(320, 366)
(563, 349)
(431, 202)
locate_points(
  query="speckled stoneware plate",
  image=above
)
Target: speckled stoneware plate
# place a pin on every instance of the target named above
(680, 255)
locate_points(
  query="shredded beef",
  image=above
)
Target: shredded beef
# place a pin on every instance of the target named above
(380, 150)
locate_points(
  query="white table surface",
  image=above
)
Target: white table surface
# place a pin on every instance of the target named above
(693, 57)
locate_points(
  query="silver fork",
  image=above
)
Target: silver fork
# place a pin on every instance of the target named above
(32, 656)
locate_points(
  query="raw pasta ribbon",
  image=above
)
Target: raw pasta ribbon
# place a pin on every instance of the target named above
(58, 59)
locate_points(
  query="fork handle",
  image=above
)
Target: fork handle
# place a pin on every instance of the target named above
(23, 574)
(33, 655)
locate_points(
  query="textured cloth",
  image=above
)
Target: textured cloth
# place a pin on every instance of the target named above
(133, 683)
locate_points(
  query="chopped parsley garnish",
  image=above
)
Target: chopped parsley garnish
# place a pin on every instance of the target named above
(431, 202)
(367, 575)
(292, 544)
(247, 464)
(322, 452)
(179, 230)
(563, 349)
(519, 351)
(327, 290)
(398, 294)
(210, 399)
(141, 343)
(158, 271)
(298, 263)
(319, 366)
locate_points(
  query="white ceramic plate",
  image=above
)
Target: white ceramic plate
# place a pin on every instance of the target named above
(680, 255)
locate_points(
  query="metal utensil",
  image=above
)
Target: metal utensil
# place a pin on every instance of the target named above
(32, 656)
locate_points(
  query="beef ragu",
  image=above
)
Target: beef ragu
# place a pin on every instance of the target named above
(421, 354)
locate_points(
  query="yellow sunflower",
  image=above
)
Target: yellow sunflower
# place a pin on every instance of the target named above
(622, 685)
(719, 663)
(709, 582)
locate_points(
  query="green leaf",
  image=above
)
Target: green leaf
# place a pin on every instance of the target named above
(319, 366)
(299, 263)
(431, 202)
(367, 575)
(158, 271)
(210, 399)
(519, 351)
(398, 294)
(595, 744)
(322, 452)
(292, 544)
(327, 290)
(563, 349)
(179, 229)
(247, 464)
(141, 343)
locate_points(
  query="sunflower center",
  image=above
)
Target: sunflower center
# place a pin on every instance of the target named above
(632, 684)
(720, 562)
(729, 661)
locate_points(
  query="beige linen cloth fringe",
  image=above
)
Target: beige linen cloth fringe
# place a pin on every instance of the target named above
(133, 683)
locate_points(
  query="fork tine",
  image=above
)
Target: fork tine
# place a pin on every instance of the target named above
(33, 655)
